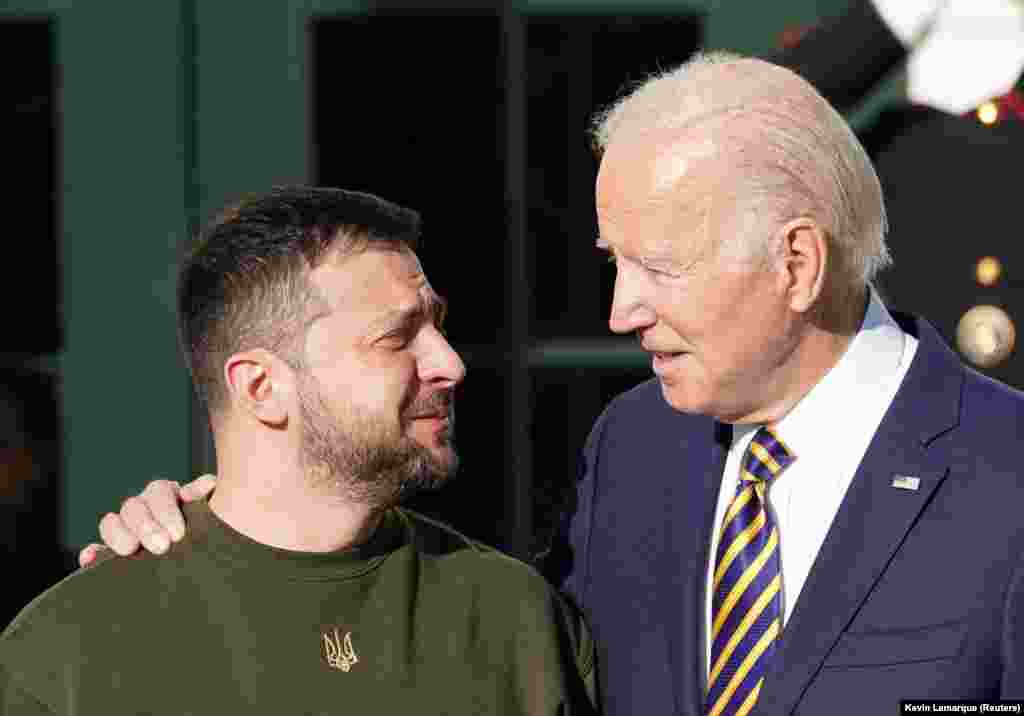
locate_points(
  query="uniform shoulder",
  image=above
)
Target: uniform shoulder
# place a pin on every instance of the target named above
(433, 537)
(446, 546)
(515, 593)
(89, 598)
(88, 607)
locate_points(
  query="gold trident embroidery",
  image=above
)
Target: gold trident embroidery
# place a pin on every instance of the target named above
(339, 652)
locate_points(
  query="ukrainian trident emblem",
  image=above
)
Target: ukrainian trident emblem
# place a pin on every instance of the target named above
(339, 652)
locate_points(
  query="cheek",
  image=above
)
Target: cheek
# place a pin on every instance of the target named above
(752, 334)
(722, 324)
(393, 381)
(695, 316)
(379, 385)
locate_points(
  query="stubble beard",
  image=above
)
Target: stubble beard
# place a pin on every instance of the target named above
(366, 460)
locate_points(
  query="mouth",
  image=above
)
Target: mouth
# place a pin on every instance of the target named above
(430, 416)
(434, 428)
(436, 416)
(662, 360)
(438, 406)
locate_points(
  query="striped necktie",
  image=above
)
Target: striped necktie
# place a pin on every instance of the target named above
(746, 603)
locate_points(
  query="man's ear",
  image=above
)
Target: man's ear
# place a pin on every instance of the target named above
(261, 384)
(805, 258)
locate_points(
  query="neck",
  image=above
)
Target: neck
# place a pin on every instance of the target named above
(271, 500)
(822, 340)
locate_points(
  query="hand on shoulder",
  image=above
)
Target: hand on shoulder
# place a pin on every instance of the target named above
(152, 519)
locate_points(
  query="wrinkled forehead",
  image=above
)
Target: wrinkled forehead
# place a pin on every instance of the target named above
(417, 278)
(660, 193)
(664, 167)
(375, 276)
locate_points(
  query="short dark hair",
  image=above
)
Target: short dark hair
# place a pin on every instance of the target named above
(244, 284)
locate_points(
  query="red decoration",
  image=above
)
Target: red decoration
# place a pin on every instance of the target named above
(791, 36)
(1010, 105)
(1013, 103)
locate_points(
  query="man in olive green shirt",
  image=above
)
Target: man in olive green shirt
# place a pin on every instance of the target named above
(301, 587)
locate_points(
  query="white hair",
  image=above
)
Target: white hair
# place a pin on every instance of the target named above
(785, 151)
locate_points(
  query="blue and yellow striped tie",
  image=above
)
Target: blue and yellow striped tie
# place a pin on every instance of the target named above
(746, 602)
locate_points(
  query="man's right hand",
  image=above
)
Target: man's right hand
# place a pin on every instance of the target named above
(152, 519)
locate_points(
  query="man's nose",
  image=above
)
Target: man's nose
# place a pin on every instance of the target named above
(631, 310)
(440, 363)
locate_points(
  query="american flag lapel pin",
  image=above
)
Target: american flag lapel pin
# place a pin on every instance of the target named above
(906, 482)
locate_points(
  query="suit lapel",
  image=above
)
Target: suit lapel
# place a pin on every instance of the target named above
(872, 521)
(691, 509)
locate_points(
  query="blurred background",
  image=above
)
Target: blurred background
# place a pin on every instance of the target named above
(126, 125)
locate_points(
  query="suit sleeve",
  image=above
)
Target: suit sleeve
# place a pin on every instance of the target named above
(565, 563)
(845, 57)
(1011, 686)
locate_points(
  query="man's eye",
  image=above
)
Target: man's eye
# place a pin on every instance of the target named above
(662, 272)
(396, 340)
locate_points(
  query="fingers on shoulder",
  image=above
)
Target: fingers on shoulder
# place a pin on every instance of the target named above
(199, 488)
(116, 535)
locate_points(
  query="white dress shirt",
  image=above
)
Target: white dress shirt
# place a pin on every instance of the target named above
(829, 431)
(962, 52)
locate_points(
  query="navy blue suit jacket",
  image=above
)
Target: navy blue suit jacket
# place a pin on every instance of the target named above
(914, 594)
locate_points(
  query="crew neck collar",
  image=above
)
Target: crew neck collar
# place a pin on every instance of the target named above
(241, 553)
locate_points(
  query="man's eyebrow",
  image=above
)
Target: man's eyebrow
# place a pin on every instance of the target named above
(397, 317)
(433, 306)
(659, 256)
(655, 259)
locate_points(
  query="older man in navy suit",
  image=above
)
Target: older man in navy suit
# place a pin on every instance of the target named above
(814, 507)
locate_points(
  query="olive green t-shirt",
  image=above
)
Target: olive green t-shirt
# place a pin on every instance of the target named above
(419, 620)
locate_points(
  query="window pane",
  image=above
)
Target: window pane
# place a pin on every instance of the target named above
(567, 401)
(28, 118)
(29, 464)
(575, 65)
(411, 107)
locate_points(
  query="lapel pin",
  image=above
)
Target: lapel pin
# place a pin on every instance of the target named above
(906, 482)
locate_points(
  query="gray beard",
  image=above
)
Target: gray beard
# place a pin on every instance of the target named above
(362, 462)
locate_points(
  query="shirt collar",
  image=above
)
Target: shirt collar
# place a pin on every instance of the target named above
(854, 384)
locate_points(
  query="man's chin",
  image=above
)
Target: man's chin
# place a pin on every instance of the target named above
(446, 459)
(433, 468)
(436, 455)
(430, 478)
(682, 400)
